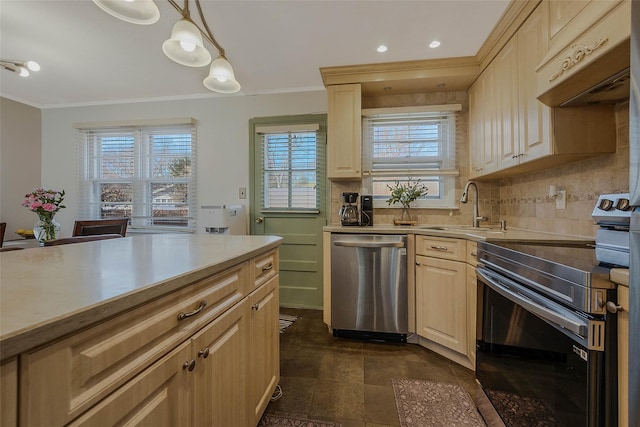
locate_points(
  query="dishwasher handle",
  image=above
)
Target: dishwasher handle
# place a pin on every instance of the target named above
(364, 244)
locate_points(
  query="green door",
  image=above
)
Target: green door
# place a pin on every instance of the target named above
(288, 199)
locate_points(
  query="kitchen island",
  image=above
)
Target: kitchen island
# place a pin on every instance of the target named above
(151, 326)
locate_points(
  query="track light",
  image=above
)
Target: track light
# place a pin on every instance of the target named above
(186, 45)
(22, 68)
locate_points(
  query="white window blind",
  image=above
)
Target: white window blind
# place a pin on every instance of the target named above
(146, 173)
(411, 146)
(289, 160)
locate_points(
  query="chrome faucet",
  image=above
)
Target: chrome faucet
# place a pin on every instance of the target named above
(465, 199)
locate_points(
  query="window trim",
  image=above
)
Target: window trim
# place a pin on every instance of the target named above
(142, 180)
(447, 200)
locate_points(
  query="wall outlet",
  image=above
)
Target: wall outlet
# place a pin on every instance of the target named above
(561, 200)
(242, 193)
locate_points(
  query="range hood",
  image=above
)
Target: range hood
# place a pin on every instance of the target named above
(604, 80)
(613, 89)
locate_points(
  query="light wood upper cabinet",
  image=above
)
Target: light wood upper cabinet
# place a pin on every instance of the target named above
(526, 135)
(344, 124)
(588, 42)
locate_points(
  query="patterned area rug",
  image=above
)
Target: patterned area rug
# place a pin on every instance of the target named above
(430, 404)
(286, 321)
(520, 411)
(282, 420)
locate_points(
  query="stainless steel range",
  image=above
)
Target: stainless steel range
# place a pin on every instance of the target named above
(613, 214)
(545, 341)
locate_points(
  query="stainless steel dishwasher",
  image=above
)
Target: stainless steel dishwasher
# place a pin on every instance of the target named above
(369, 286)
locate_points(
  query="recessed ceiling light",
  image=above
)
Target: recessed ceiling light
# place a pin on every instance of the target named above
(382, 48)
(434, 44)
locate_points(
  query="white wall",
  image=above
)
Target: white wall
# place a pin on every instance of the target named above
(223, 140)
(20, 139)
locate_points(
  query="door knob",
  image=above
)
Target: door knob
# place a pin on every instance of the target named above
(259, 220)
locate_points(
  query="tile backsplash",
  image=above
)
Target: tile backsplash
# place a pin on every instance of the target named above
(523, 200)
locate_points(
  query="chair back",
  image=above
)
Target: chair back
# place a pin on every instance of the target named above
(80, 239)
(100, 226)
(3, 227)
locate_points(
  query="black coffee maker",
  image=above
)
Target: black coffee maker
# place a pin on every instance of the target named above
(349, 214)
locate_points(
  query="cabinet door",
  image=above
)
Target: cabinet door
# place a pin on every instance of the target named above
(344, 125)
(220, 375)
(9, 395)
(623, 357)
(264, 353)
(472, 310)
(535, 141)
(441, 302)
(476, 130)
(506, 72)
(158, 396)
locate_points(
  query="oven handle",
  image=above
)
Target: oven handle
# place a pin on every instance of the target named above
(484, 276)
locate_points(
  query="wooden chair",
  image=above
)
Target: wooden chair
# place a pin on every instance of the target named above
(3, 227)
(100, 226)
(80, 239)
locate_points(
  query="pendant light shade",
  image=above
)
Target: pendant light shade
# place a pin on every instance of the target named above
(143, 12)
(221, 77)
(185, 45)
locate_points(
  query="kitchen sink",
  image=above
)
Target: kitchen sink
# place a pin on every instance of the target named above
(462, 228)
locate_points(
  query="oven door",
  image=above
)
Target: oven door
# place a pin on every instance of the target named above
(533, 358)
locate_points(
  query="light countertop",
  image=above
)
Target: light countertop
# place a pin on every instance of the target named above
(513, 235)
(48, 292)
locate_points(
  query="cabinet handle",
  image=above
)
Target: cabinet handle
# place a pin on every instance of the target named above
(189, 365)
(255, 307)
(204, 353)
(474, 254)
(267, 267)
(182, 315)
(440, 248)
(417, 263)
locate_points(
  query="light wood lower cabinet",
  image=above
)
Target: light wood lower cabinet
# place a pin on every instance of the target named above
(446, 297)
(264, 353)
(623, 357)
(206, 355)
(221, 358)
(160, 396)
(441, 300)
(9, 393)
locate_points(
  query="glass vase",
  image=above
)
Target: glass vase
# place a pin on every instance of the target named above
(46, 229)
(406, 214)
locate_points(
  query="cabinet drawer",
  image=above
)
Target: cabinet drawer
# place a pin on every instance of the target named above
(85, 367)
(263, 268)
(454, 249)
(472, 253)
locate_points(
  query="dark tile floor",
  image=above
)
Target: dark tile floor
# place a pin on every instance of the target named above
(349, 381)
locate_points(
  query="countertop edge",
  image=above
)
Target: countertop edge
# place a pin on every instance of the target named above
(57, 328)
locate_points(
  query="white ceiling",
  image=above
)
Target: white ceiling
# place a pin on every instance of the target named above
(89, 57)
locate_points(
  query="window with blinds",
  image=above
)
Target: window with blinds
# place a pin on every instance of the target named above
(289, 160)
(146, 173)
(402, 146)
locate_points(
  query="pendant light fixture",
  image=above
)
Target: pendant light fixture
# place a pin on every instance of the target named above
(142, 12)
(20, 67)
(186, 46)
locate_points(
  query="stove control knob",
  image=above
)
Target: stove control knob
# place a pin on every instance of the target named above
(622, 204)
(605, 204)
